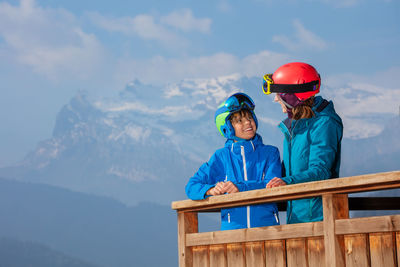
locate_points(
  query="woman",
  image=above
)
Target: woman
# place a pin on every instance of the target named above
(313, 133)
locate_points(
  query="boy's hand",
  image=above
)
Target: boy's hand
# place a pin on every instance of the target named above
(222, 188)
(218, 189)
(230, 188)
(275, 182)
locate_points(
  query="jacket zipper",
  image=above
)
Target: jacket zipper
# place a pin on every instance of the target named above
(276, 218)
(290, 159)
(245, 178)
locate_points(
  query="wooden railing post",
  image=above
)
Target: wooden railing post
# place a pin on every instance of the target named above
(187, 223)
(335, 207)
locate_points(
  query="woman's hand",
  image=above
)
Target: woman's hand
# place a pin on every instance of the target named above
(275, 182)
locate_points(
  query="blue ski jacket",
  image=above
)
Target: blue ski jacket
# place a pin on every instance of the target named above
(249, 165)
(311, 152)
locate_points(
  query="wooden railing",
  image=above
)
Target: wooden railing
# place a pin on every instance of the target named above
(335, 241)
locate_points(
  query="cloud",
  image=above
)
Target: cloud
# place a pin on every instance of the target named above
(142, 26)
(160, 69)
(363, 101)
(332, 3)
(149, 27)
(269, 121)
(48, 40)
(340, 3)
(303, 39)
(184, 20)
(224, 6)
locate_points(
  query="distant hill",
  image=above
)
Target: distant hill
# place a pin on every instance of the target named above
(15, 253)
(96, 229)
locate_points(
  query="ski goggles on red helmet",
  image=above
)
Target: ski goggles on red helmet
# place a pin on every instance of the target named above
(238, 102)
(270, 87)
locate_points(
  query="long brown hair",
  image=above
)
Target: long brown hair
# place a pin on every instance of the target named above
(304, 111)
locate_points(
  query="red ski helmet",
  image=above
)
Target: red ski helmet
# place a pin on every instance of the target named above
(298, 78)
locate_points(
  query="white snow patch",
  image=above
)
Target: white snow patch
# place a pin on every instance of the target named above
(138, 133)
(132, 174)
(173, 90)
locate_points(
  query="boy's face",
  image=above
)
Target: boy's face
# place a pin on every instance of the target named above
(243, 124)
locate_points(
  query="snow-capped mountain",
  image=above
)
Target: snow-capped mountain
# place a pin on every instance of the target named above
(146, 142)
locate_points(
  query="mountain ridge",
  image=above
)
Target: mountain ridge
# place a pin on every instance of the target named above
(154, 138)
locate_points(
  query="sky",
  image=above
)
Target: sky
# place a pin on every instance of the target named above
(51, 50)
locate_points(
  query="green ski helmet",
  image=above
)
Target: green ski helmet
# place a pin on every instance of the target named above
(234, 103)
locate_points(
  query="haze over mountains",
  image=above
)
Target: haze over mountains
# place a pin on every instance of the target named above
(90, 231)
(144, 144)
(135, 151)
(15, 253)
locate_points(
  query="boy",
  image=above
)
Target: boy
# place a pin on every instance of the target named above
(245, 163)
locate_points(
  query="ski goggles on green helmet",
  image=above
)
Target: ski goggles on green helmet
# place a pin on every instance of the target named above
(234, 103)
(238, 102)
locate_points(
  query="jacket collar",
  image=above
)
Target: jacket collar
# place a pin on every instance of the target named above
(248, 145)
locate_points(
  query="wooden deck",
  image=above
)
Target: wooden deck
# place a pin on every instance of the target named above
(336, 241)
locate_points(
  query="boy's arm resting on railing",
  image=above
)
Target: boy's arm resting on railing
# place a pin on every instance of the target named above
(203, 179)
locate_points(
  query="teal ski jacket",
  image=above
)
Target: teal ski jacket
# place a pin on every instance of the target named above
(311, 152)
(249, 165)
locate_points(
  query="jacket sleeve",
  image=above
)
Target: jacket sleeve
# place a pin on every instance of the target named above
(273, 169)
(205, 178)
(325, 140)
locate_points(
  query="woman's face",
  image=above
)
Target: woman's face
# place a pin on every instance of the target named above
(279, 100)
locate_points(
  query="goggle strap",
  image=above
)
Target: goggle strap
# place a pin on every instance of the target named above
(293, 88)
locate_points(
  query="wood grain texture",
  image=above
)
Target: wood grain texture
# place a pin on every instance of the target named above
(218, 256)
(316, 252)
(334, 245)
(362, 183)
(187, 223)
(235, 255)
(256, 234)
(255, 256)
(200, 256)
(296, 252)
(275, 253)
(382, 249)
(398, 248)
(388, 223)
(357, 250)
